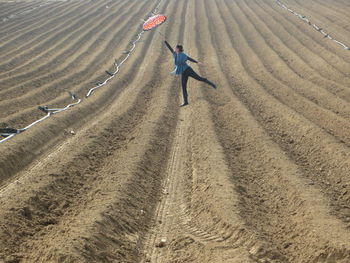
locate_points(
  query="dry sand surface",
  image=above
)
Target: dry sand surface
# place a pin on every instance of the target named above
(255, 171)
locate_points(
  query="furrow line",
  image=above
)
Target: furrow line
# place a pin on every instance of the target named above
(118, 137)
(17, 9)
(325, 16)
(12, 6)
(275, 198)
(33, 60)
(281, 92)
(316, 92)
(339, 8)
(335, 70)
(317, 27)
(33, 46)
(59, 63)
(90, 65)
(53, 130)
(17, 28)
(295, 80)
(325, 163)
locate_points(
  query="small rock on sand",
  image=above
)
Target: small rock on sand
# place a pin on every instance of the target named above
(162, 243)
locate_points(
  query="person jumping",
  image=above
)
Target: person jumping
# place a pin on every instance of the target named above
(181, 68)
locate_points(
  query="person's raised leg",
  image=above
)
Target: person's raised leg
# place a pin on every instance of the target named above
(194, 75)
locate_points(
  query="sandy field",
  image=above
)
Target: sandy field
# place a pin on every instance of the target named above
(257, 170)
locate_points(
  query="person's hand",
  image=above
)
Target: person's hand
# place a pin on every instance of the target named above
(200, 63)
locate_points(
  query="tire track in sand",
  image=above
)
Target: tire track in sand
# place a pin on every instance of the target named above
(188, 216)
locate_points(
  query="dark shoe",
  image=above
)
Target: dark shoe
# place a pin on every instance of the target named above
(211, 84)
(183, 105)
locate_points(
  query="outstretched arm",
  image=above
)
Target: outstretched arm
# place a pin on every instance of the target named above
(168, 45)
(192, 60)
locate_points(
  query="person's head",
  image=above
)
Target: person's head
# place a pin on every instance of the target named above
(179, 48)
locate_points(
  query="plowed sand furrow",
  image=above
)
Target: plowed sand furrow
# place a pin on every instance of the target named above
(329, 12)
(183, 190)
(33, 44)
(159, 221)
(88, 180)
(256, 170)
(11, 32)
(14, 13)
(296, 79)
(280, 71)
(7, 29)
(16, 31)
(69, 38)
(63, 16)
(32, 113)
(42, 137)
(322, 159)
(234, 123)
(255, 67)
(215, 219)
(30, 40)
(324, 17)
(321, 44)
(123, 141)
(93, 67)
(6, 8)
(339, 7)
(95, 41)
(33, 47)
(59, 57)
(303, 64)
(339, 16)
(308, 58)
(15, 8)
(155, 125)
(342, 4)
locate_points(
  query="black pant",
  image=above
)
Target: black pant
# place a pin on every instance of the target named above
(189, 72)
